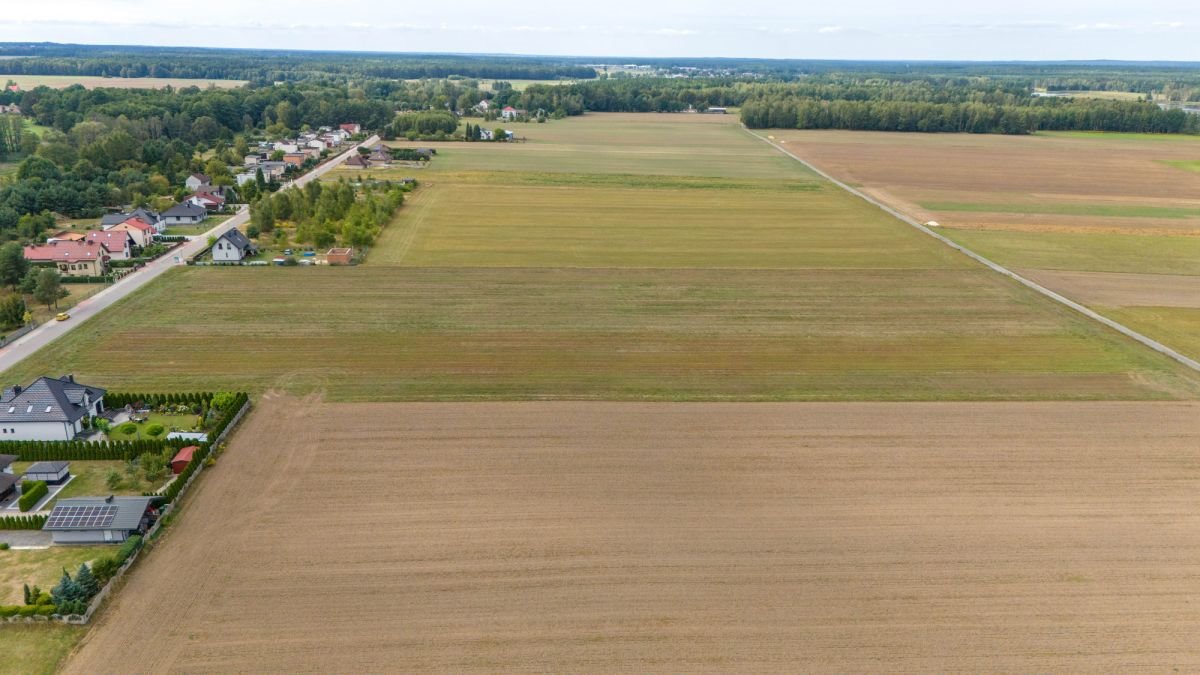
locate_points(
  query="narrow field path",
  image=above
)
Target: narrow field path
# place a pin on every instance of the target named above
(1119, 327)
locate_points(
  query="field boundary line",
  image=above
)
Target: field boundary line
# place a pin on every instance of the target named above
(428, 195)
(995, 267)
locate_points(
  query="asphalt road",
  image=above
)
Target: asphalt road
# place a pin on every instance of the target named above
(12, 353)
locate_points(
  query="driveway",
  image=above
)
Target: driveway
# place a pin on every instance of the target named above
(26, 538)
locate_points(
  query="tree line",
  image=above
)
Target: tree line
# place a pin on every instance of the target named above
(324, 213)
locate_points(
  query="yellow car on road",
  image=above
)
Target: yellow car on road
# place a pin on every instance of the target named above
(62, 316)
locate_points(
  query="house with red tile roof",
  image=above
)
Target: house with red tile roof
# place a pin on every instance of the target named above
(141, 231)
(209, 200)
(71, 258)
(119, 243)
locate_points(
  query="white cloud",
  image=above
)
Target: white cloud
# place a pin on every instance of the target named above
(674, 32)
(1097, 26)
(830, 30)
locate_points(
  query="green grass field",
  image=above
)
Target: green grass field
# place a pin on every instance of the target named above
(37, 649)
(387, 333)
(1066, 209)
(1176, 326)
(1193, 166)
(95, 81)
(1088, 252)
(629, 257)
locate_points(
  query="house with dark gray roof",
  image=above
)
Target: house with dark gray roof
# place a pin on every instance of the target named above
(50, 409)
(98, 520)
(152, 217)
(8, 486)
(186, 213)
(6, 462)
(233, 246)
(52, 473)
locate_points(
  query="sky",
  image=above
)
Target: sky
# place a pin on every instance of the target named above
(845, 29)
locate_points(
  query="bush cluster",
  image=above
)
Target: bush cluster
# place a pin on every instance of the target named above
(32, 493)
(65, 451)
(105, 567)
(22, 522)
(122, 399)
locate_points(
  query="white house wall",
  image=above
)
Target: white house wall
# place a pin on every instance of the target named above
(36, 431)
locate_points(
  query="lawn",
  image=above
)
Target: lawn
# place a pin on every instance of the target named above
(1186, 165)
(37, 649)
(170, 422)
(40, 567)
(91, 480)
(194, 230)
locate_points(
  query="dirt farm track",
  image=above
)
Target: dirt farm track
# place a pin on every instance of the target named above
(635, 537)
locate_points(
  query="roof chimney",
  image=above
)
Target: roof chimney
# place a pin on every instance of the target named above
(68, 378)
(108, 499)
(16, 389)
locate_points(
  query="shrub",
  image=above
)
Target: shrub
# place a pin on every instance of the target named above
(128, 548)
(27, 610)
(113, 479)
(105, 568)
(155, 430)
(9, 610)
(4, 546)
(128, 429)
(44, 610)
(32, 493)
(41, 598)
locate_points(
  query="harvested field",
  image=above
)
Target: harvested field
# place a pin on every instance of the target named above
(95, 82)
(1068, 205)
(1115, 290)
(626, 537)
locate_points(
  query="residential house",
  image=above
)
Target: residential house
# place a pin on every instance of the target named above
(251, 161)
(246, 177)
(357, 161)
(511, 113)
(6, 462)
(294, 158)
(197, 182)
(340, 135)
(351, 128)
(8, 486)
(185, 213)
(52, 473)
(152, 217)
(72, 258)
(317, 144)
(118, 243)
(273, 169)
(10, 109)
(99, 520)
(232, 246)
(210, 201)
(49, 409)
(141, 231)
(286, 147)
(483, 106)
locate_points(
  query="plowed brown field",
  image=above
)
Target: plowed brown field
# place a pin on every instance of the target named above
(635, 537)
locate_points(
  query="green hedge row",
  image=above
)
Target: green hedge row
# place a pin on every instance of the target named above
(227, 414)
(26, 610)
(86, 280)
(122, 399)
(32, 492)
(67, 451)
(22, 522)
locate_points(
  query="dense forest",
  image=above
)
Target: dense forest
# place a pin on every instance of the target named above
(269, 66)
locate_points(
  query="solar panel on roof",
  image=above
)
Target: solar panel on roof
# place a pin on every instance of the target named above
(82, 516)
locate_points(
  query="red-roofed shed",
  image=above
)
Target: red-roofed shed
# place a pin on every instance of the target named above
(182, 459)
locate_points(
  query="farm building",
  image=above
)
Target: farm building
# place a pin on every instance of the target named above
(98, 520)
(339, 256)
(8, 486)
(233, 246)
(49, 409)
(182, 458)
(54, 473)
